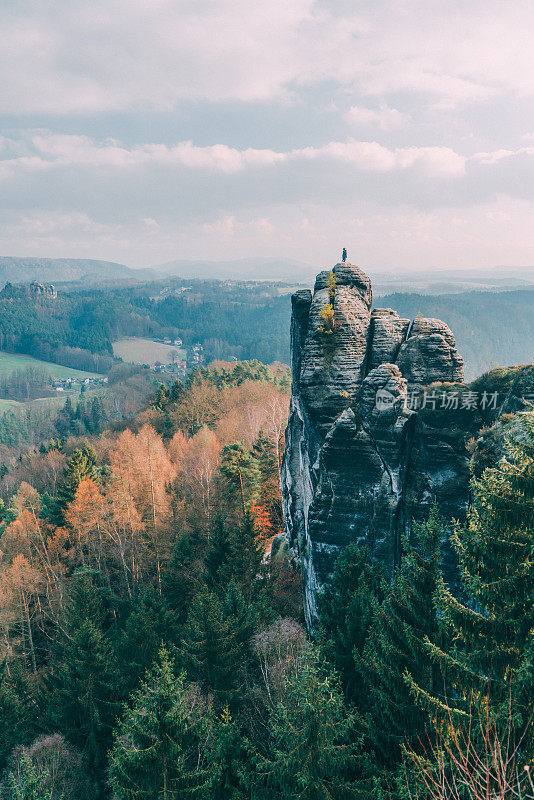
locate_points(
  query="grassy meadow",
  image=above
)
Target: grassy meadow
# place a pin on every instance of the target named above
(144, 351)
(9, 362)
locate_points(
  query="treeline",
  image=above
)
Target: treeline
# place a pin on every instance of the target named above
(126, 393)
(77, 329)
(26, 384)
(249, 328)
(240, 320)
(491, 328)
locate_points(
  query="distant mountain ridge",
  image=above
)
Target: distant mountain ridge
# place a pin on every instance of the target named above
(59, 270)
(274, 269)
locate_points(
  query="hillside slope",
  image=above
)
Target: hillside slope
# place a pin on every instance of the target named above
(491, 329)
(58, 270)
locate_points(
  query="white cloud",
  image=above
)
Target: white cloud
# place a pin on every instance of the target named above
(74, 57)
(383, 119)
(48, 151)
(270, 124)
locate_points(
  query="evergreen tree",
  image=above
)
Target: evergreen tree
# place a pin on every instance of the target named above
(82, 688)
(347, 609)
(244, 556)
(155, 754)
(79, 467)
(185, 575)
(489, 652)
(218, 554)
(18, 709)
(312, 752)
(226, 761)
(161, 399)
(148, 625)
(239, 467)
(396, 651)
(26, 783)
(215, 641)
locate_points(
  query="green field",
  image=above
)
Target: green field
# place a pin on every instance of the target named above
(144, 351)
(8, 405)
(12, 361)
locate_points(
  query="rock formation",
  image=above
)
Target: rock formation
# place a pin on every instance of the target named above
(380, 426)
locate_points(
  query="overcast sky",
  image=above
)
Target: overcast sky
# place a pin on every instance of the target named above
(148, 130)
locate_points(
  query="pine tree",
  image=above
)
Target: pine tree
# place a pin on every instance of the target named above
(488, 656)
(239, 467)
(244, 557)
(155, 754)
(347, 609)
(215, 643)
(312, 752)
(79, 467)
(396, 652)
(82, 689)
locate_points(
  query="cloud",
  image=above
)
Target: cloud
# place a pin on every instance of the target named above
(384, 118)
(136, 127)
(74, 57)
(39, 151)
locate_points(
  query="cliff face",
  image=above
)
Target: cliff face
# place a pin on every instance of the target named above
(369, 446)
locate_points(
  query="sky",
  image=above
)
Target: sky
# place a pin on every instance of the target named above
(144, 131)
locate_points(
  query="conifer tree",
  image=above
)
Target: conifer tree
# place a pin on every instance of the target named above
(79, 467)
(148, 625)
(214, 647)
(239, 468)
(244, 556)
(18, 709)
(489, 652)
(226, 760)
(185, 574)
(218, 553)
(26, 783)
(312, 752)
(269, 494)
(82, 689)
(396, 646)
(347, 609)
(155, 754)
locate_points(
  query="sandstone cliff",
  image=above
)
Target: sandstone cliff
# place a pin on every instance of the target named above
(381, 425)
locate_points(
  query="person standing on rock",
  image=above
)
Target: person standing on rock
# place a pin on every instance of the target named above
(344, 255)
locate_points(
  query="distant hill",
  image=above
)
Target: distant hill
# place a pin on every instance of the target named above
(60, 270)
(273, 269)
(491, 328)
(447, 281)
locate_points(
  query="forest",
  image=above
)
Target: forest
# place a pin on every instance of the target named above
(152, 636)
(243, 320)
(78, 327)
